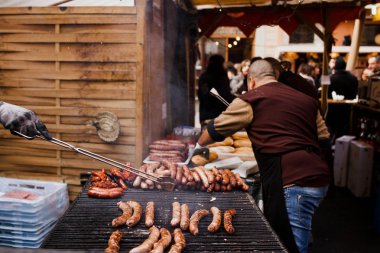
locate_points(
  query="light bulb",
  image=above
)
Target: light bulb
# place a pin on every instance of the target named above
(217, 43)
(373, 10)
(237, 38)
(229, 45)
(235, 42)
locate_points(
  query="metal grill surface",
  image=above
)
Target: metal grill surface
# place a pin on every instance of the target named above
(87, 223)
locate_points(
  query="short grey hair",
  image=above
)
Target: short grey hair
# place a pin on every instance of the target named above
(260, 69)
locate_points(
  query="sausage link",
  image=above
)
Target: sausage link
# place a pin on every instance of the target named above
(217, 175)
(241, 182)
(179, 241)
(165, 240)
(216, 220)
(185, 217)
(196, 176)
(232, 177)
(114, 241)
(195, 219)
(225, 178)
(137, 212)
(203, 176)
(127, 213)
(146, 246)
(149, 214)
(209, 175)
(217, 187)
(96, 192)
(188, 174)
(176, 214)
(179, 174)
(228, 221)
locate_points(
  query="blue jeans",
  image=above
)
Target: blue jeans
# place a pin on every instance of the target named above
(301, 203)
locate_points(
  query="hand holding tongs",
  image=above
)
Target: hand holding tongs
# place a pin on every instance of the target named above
(166, 182)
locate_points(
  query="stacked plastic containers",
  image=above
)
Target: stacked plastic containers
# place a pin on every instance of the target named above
(29, 209)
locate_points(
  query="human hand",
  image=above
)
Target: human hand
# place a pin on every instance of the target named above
(16, 118)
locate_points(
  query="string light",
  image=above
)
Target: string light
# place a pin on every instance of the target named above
(217, 43)
(235, 42)
(237, 38)
(229, 45)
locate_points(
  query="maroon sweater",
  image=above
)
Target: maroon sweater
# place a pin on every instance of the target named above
(284, 124)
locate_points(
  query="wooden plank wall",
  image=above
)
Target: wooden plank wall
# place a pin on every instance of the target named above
(68, 64)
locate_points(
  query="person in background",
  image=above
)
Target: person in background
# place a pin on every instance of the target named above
(231, 71)
(20, 119)
(331, 66)
(239, 83)
(346, 84)
(215, 76)
(280, 122)
(342, 81)
(305, 70)
(371, 68)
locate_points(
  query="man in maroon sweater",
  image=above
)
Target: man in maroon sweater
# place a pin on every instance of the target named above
(281, 124)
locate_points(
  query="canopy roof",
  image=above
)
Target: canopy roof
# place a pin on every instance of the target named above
(247, 15)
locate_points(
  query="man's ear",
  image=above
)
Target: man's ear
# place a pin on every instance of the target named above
(250, 83)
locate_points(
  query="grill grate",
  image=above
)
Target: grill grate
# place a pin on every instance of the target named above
(87, 224)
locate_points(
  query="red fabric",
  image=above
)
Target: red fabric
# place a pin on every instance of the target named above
(252, 18)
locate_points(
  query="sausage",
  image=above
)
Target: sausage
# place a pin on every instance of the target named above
(150, 170)
(104, 184)
(241, 183)
(179, 174)
(122, 184)
(203, 176)
(165, 240)
(216, 220)
(185, 217)
(146, 246)
(225, 178)
(209, 175)
(96, 192)
(176, 214)
(149, 214)
(127, 213)
(217, 187)
(138, 179)
(232, 177)
(113, 242)
(173, 145)
(194, 220)
(229, 187)
(137, 212)
(196, 176)
(188, 174)
(228, 221)
(144, 185)
(180, 241)
(217, 174)
(171, 166)
(211, 187)
(223, 188)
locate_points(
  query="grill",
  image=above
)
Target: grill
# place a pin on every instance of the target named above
(87, 223)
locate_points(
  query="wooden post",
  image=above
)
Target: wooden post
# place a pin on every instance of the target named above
(356, 37)
(326, 52)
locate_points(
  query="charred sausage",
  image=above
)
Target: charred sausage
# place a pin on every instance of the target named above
(137, 212)
(216, 220)
(165, 240)
(176, 214)
(127, 213)
(146, 246)
(179, 241)
(203, 176)
(194, 220)
(185, 217)
(113, 242)
(228, 221)
(96, 192)
(149, 214)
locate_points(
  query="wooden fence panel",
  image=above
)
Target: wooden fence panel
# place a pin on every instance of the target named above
(69, 64)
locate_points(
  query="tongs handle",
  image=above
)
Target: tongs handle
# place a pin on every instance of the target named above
(94, 156)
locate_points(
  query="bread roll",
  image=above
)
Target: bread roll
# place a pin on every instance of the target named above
(222, 149)
(242, 143)
(227, 142)
(201, 160)
(240, 135)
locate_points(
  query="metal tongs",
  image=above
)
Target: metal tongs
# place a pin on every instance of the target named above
(215, 93)
(167, 183)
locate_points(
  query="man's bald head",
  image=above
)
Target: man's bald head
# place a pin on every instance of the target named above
(261, 69)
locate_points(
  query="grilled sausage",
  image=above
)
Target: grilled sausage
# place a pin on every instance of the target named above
(196, 176)
(113, 242)
(171, 166)
(211, 187)
(203, 176)
(96, 192)
(165, 240)
(209, 175)
(127, 213)
(216, 220)
(194, 220)
(217, 187)
(185, 217)
(146, 246)
(137, 212)
(241, 183)
(176, 214)
(228, 221)
(217, 175)
(231, 177)
(180, 242)
(149, 214)
(188, 174)
(138, 179)
(179, 174)
(225, 178)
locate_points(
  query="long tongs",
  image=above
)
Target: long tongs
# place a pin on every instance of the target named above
(166, 182)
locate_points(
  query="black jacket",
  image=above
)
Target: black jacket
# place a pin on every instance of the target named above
(343, 83)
